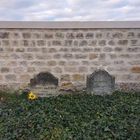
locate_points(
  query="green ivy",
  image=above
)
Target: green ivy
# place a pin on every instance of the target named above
(72, 117)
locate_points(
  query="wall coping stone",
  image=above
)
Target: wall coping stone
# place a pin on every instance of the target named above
(68, 24)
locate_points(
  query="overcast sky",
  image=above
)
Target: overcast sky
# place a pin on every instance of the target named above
(69, 10)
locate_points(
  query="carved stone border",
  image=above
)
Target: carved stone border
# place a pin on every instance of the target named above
(69, 24)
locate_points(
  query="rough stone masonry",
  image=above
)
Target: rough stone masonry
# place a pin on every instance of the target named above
(70, 51)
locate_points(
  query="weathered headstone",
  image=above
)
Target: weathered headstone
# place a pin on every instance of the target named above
(44, 84)
(100, 82)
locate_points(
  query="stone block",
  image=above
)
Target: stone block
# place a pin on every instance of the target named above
(25, 78)
(138, 35)
(107, 49)
(79, 36)
(49, 43)
(59, 35)
(27, 56)
(122, 42)
(44, 50)
(1, 49)
(22, 63)
(87, 50)
(26, 35)
(5, 70)
(82, 69)
(89, 35)
(57, 56)
(4, 35)
(11, 63)
(51, 63)
(69, 69)
(16, 35)
(133, 49)
(43, 56)
(24, 43)
(10, 77)
(134, 62)
(1, 78)
(76, 50)
(68, 43)
(31, 69)
(48, 35)
(136, 56)
(19, 70)
(81, 56)
(75, 43)
(118, 49)
(36, 35)
(125, 56)
(92, 69)
(135, 69)
(52, 50)
(57, 70)
(102, 42)
(134, 43)
(130, 35)
(97, 49)
(15, 56)
(33, 43)
(5, 42)
(111, 42)
(62, 63)
(67, 86)
(70, 36)
(102, 56)
(56, 43)
(65, 77)
(120, 69)
(92, 42)
(64, 49)
(32, 49)
(68, 56)
(38, 63)
(93, 56)
(20, 50)
(15, 43)
(118, 62)
(83, 43)
(78, 77)
(117, 35)
(4, 56)
(98, 35)
(8, 49)
(72, 63)
(41, 42)
(85, 63)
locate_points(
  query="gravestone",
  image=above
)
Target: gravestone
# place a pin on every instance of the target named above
(100, 83)
(44, 84)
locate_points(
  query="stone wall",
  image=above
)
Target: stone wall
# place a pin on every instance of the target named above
(70, 54)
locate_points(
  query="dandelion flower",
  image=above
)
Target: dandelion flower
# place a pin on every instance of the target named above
(32, 96)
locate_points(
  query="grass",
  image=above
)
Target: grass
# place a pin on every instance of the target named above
(71, 117)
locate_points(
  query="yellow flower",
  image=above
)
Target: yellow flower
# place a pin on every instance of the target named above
(32, 96)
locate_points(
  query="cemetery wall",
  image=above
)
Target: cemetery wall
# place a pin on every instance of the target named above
(70, 51)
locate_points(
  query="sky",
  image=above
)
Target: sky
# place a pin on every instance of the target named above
(69, 10)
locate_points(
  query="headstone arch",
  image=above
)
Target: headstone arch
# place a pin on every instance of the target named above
(44, 78)
(44, 84)
(100, 82)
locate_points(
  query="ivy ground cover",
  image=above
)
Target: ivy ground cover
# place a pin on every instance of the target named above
(71, 117)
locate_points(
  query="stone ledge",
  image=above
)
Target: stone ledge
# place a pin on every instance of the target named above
(69, 24)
